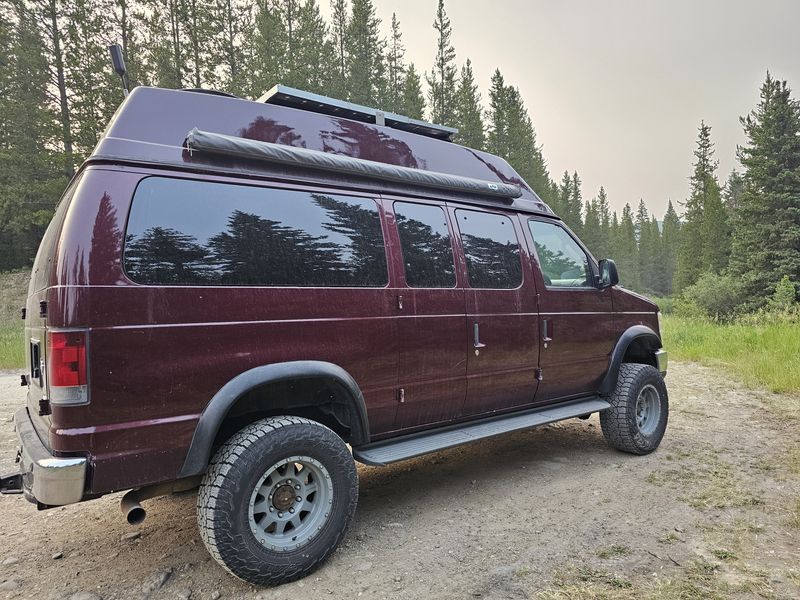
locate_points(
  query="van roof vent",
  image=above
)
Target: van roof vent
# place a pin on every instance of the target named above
(294, 98)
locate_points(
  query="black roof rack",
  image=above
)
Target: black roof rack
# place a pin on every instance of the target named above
(294, 98)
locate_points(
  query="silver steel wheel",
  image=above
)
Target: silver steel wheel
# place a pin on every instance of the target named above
(648, 409)
(291, 503)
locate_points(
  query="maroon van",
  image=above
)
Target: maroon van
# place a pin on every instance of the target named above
(251, 296)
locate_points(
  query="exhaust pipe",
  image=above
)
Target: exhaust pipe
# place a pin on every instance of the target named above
(131, 506)
(133, 511)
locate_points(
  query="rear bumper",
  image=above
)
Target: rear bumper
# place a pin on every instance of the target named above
(661, 361)
(44, 478)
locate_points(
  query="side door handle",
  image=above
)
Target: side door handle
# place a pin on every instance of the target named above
(545, 333)
(477, 339)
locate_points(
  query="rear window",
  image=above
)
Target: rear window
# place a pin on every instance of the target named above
(491, 249)
(427, 252)
(184, 232)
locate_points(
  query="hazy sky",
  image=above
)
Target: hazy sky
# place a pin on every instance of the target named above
(617, 89)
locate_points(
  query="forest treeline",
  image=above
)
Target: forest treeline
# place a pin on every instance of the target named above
(733, 240)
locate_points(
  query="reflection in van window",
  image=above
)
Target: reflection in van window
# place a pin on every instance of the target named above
(563, 262)
(185, 232)
(491, 249)
(427, 253)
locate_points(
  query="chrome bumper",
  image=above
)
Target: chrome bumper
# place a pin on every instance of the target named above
(661, 361)
(46, 479)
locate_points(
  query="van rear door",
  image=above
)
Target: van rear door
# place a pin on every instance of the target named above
(36, 307)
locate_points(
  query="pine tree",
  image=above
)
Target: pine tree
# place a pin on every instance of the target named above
(413, 105)
(165, 62)
(364, 50)
(591, 227)
(442, 79)
(396, 68)
(715, 232)
(604, 218)
(766, 239)
(703, 185)
(561, 204)
(231, 26)
(671, 241)
(314, 50)
(338, 33)
(732, 192)
(497, 130)
(469, 113)
(625, 250)
(571, 201)
(195, 30)
(31, 173)
(268, 47)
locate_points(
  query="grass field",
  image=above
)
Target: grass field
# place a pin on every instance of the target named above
(13, 288)
(765, 354)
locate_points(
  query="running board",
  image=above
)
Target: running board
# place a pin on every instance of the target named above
(408, 446)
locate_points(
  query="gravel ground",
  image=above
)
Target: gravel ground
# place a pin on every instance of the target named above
(551, 512)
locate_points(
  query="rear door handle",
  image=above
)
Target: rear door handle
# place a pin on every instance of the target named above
(477, 339)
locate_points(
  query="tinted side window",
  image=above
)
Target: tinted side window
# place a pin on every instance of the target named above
(563, 262)
(491, 249)
(184, 232)
(427, 252)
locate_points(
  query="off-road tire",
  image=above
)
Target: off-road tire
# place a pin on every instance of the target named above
(225, 495)
(619, 423)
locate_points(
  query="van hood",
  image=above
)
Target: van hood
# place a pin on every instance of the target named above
(629, 301)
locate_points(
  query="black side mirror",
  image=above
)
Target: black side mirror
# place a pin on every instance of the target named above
(608, 273)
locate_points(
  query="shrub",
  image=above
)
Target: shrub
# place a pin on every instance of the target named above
(783, 298)
(715, 296)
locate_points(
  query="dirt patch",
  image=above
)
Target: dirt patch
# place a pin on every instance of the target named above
(551, 513)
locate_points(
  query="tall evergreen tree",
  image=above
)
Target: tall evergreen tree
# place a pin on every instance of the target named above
(497, 130)
(468, 115)
(604, 218)
(413, 101)
(315, 52)
(442, 78)
(396, 67)
(268, 47)
(364, 54)
(231, 26)
(671, 241)
(703, 187)
(732, 192)
(338, 33)
(625, 250)
(591, 227)
(766, 240)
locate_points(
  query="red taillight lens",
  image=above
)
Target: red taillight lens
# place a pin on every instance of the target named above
(66, 358)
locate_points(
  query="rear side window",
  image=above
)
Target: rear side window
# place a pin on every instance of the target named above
(184, 232)
(425, 239)
(491, 249)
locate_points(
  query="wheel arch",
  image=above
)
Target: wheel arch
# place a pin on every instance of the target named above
(250, 393)
(637, 344)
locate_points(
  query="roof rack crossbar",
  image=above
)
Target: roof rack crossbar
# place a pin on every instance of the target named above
(294, 98)
(218, 143)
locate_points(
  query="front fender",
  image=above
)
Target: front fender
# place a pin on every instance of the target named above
(217, 409)
(640, 334)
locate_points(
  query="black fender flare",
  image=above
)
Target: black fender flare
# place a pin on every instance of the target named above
(635, 332)
(216, 410)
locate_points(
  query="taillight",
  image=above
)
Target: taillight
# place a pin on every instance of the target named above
(66, 367)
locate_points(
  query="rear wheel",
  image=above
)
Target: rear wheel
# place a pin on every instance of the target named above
(639, 411)
(277, 499)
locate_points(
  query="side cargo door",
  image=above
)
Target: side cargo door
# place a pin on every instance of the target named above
(502, 320)
(431, 326)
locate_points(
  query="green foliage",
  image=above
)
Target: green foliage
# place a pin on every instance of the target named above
(715, 296)
(396, 68)
(442, 78)
(469, 114)
(784, 297)
(766, 229)
(364, 55)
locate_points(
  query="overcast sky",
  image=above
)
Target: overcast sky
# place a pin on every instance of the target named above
(617, 89)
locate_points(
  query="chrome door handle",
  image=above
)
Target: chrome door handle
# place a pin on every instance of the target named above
(477, 339)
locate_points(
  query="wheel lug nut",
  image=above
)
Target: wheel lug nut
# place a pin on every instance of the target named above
(298, 498)
(297, 487)
(271, 509)
(280, 514)
(291, 510)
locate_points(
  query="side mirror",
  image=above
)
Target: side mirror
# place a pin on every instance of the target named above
(608, 273)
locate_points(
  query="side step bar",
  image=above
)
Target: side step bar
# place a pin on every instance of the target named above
(409, 446)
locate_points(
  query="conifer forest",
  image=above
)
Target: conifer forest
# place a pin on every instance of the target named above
(727, 245)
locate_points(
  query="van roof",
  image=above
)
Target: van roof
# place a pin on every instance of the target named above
(152, 125)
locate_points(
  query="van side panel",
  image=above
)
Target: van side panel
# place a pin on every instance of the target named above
(158, 354)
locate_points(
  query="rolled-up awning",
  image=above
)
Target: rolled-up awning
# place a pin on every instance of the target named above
(218, 143)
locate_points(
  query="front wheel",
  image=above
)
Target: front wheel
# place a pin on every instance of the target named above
(637, 419)
(277, 499)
